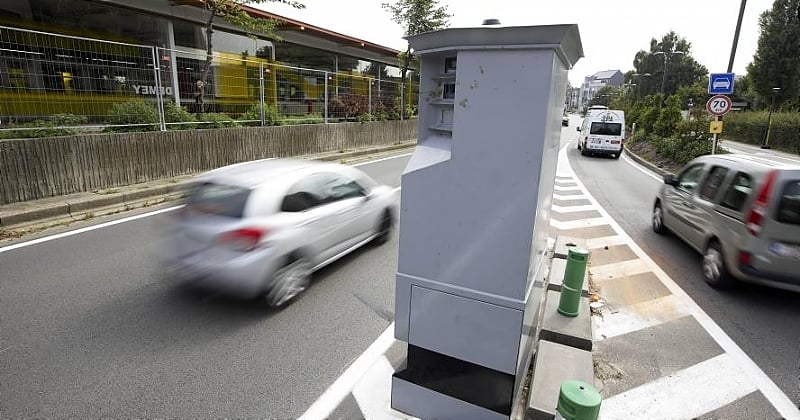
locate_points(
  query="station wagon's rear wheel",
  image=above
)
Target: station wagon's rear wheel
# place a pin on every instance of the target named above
(714, 269)
(289, 281)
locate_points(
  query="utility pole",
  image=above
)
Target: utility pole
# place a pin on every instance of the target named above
(736, 35)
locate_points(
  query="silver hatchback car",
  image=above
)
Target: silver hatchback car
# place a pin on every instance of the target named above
(262, 228)
(742, 213)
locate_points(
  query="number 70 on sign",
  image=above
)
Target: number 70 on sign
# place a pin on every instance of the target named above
(719, 105)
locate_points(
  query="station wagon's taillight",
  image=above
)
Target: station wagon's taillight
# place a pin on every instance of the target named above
(755, 220)
(244, 240)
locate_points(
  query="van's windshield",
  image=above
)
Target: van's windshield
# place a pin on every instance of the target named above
(606, 128)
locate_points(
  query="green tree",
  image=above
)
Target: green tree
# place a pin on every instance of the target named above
(416, 17)
(605, 96)
(649, 112)
(234, 12)
(682, 69)
(697, 93)
(776, 62)
(668, 117)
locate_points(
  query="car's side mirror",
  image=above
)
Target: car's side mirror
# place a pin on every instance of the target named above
(670, 179)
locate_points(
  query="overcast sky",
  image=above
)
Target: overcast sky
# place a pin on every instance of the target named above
(612, 31)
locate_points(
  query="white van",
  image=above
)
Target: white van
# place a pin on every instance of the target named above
(602, 133)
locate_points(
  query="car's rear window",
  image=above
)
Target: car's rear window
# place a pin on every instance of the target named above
(789, 207)
(606, 128)
(217, 199)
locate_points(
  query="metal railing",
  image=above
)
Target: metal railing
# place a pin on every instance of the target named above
(52, 83)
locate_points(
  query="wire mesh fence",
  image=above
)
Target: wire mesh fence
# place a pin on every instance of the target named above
(53, 84)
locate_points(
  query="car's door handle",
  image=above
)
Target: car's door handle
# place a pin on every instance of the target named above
(345, 211)
(308, 221)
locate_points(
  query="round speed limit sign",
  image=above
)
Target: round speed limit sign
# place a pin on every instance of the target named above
(719, 105)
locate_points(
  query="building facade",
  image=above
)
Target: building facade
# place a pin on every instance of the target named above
(591, 84)
(81, 56)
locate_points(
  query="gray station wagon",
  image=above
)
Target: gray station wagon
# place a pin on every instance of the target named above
(742, 213)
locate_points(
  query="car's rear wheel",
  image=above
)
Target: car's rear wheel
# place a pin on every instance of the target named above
(384, 232)
(289, 281)
(714, 269)
(618, 154)
(658, 220)
(584, 152)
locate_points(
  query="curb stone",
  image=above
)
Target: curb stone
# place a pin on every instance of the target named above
(37, 215)
(641, 161)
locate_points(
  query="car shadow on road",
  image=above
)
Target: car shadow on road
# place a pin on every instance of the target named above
(765, 300)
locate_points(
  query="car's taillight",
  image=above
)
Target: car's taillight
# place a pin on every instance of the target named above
(246, 239)
(755, 220)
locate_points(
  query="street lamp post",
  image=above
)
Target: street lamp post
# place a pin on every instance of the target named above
(638, 85)
(769, 118)
(664, 77)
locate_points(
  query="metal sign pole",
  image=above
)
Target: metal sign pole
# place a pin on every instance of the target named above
(714, 144)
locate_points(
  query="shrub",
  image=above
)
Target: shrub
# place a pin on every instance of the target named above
(133, 115)
(348, 106)
(252, 117)
(180, 118)
(216, 120)
(751, 127)
(46, 128)
(668, 117)
(305, 119)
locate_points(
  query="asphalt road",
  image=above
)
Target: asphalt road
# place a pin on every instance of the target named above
(762, 321)
(91, 328)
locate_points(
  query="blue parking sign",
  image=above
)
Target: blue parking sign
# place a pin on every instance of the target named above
(720, 84)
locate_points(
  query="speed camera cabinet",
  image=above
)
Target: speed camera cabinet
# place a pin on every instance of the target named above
(475, 215)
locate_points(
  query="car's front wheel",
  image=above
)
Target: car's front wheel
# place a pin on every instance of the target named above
(289, 281)
(658, 220)
(714, 269)
(384, 230)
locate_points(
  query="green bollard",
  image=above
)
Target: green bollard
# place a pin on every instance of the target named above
(569, 302)
(578, 401)
(577, 258)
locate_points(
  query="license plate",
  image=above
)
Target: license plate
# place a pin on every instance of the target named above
(785, 250)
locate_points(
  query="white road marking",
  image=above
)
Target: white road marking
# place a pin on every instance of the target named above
(85, 229)
(568, 197)
(577, 224)
(757, 151)
(776, 397)
(558, 188)
(571, 209)
(137, 217)
(621, 269)
(373, 393)
(688, 393)
(382, 159)
(641, 168)
(629, 318)
(615, 240)
(337, 392)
